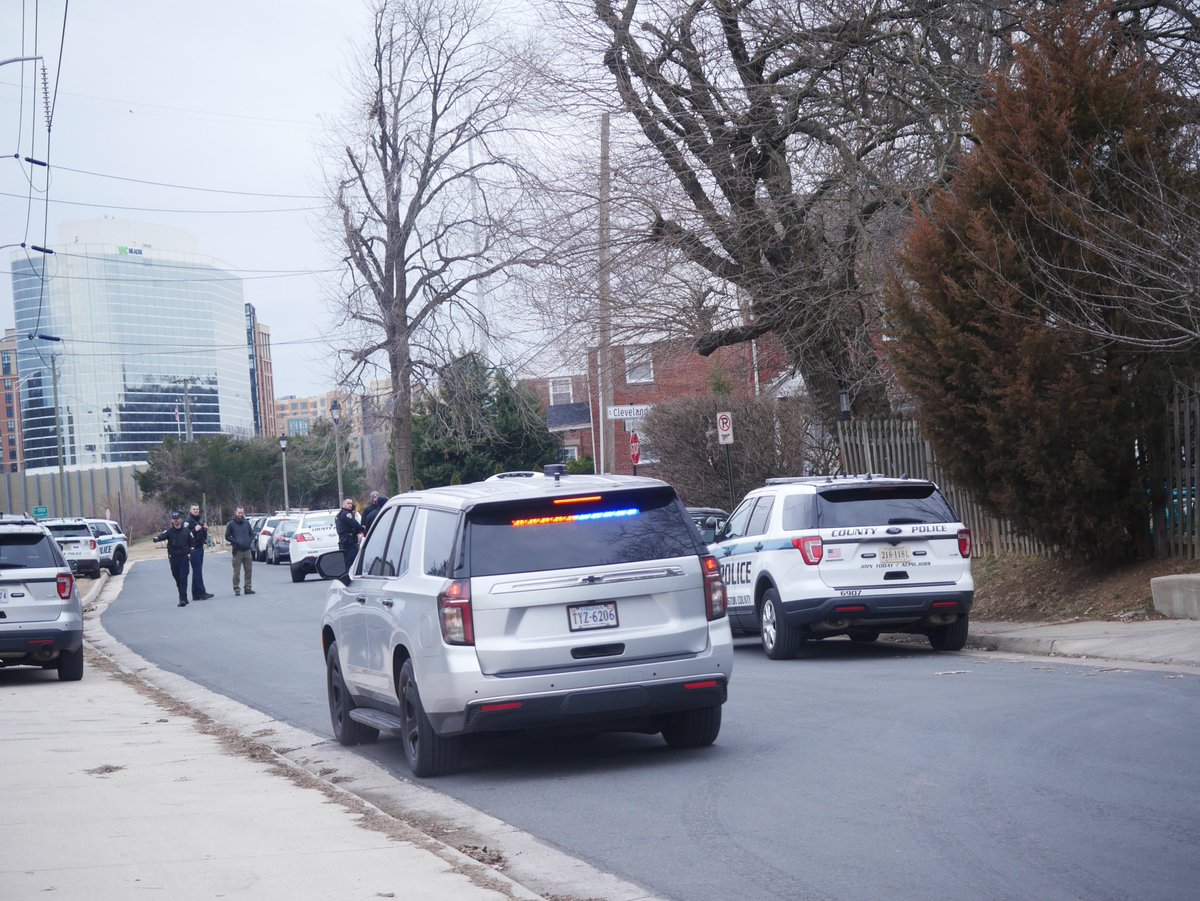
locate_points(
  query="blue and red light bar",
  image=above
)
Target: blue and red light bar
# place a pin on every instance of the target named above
(575, 517)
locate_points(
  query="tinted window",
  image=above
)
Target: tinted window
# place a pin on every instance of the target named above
(885, 505)
(439, 541)
(65, 530)
(373, 556)
(99, 528)
(26, 551)
(400, 541)
(319, 521)
(618, 527)
(758, 519)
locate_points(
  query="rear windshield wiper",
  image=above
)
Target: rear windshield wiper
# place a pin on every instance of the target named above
(904, 521)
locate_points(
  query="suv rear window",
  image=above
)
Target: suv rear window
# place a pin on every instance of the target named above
(70, 530)
(28, 551)
(883, 505)
(613, 527)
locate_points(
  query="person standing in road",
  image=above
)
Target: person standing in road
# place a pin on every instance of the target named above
(200, 540)
(372, 510)
(238, 535)
(348, 530)
(179, 551)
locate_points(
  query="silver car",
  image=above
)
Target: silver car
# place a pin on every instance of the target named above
(577, 602)
(41, 616)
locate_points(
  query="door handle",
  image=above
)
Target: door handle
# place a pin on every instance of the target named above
(362, 599)
(758, 547)
(387, 603)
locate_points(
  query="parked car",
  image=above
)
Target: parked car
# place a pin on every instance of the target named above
(113, 545)
(41, 616)
(574, 602)
(78, 544)
(708, 520)
(809, 558)
(315, 534)
(279, 547)
(262, 535)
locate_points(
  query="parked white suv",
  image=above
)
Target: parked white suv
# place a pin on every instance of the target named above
(817, 557)
(112, 544)
(78, 544)
(577, 602)
(316, 533)
(41, 616)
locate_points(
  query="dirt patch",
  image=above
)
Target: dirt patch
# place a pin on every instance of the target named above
(1034, 589)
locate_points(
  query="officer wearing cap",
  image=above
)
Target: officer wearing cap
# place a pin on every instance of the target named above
(179, 551)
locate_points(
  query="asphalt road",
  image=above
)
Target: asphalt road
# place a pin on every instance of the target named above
(858, 772)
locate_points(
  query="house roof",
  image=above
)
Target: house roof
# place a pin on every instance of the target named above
(560, 417)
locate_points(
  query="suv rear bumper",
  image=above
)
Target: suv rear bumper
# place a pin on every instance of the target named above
(629, 706)
(38, 642)
(91, 567)
(880, 612)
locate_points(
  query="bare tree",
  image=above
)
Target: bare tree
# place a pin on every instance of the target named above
(429, 196)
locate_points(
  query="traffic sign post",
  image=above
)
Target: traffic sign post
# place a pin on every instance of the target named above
(40, 513)
(635, 450)
(725, 437)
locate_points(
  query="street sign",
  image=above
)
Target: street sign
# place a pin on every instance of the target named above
(724, 428)
(635, 448)
(630, 411)
(40, 513)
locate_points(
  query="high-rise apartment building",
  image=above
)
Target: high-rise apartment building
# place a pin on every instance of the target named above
(144, 337)
(11, 456)
(262, 376)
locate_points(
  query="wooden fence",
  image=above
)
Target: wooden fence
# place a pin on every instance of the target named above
(894, 447)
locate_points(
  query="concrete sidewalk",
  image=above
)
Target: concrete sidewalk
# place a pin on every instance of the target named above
(1175, 642)
(116, 790)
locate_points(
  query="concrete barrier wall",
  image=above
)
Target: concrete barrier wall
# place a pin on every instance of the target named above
(81, 492)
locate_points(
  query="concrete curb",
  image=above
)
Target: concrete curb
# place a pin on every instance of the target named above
(441, 818)
(1167, 643)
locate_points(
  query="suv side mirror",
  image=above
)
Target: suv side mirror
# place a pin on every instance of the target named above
(709, 530)
(332, 565)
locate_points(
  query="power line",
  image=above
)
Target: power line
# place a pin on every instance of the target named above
(148, 209)
(164, 184)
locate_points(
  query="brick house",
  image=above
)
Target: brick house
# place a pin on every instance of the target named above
(644, 375)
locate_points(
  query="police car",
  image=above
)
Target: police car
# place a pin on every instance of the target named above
(78, 544)
(113, 545)
(815, 557)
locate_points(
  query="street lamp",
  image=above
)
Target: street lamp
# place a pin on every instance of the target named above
(58, 432)
(335, 413)
(283, 452)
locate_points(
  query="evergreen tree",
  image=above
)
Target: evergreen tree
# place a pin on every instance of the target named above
(1047, 424)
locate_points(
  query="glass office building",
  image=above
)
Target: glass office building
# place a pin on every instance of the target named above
(153, 344)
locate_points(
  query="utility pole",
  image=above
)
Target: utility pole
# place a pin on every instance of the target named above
(187, 411)
(604, 355)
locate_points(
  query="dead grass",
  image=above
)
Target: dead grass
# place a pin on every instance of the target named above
(1033, 589)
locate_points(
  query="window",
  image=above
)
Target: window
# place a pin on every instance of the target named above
(100, 529)
(639, 364)
(758, 519)
(439, 541)
(8, 411)
(570, 452)
(374, 562)
(6, 362)
(400, 543)
(8, 397)
(7, 384)
(736, 526)
(560, 392)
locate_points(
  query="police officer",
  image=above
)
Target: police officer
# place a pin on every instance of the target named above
(179, 550)
(348, 530)
(200, 539)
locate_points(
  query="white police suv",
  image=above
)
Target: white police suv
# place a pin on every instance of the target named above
(809, 558)
(112, 544)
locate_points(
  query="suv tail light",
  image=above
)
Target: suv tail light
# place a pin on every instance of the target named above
(811, 549)
(714, 589)
(66, 584)
(93, 543)
(965, 543)
(454, 612)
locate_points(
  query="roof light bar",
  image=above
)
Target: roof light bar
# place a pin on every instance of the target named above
(575, 517)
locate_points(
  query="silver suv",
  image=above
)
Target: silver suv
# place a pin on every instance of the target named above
(41, 617)
(576, 602)
(859, 555)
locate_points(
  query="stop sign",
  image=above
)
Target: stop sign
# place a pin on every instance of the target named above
(635, 449)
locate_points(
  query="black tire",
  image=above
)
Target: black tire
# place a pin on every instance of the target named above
(347, 731)
(427, 753)
(952, 637)
(864, 637)
(70, 666)
(692, 728)
(118, 563)
(298, 574)
(779, 640)
(271, 561)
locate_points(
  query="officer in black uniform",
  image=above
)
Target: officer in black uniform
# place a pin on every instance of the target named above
(179, 551)
(348, 530)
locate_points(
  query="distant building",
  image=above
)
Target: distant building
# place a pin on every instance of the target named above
(262, 375)
(153, 344)
(10, 426)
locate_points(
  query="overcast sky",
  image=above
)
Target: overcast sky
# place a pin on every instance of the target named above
(221, 95)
